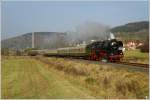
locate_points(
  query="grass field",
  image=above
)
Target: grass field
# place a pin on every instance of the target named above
(104, 81)
(136, 56)
(25, 77)
(28, 78)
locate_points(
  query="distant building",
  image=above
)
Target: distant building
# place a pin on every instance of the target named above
(132, 45)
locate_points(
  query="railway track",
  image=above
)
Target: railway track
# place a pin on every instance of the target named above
(125, 65)
(134, 64)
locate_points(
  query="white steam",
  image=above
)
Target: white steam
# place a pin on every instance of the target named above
(111, 36)
(90, 31)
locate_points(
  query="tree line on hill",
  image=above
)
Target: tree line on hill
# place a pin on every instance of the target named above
(131, 27)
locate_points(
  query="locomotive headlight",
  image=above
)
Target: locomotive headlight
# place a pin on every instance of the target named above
(120, 48)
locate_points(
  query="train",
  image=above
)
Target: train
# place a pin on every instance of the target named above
(106, 51)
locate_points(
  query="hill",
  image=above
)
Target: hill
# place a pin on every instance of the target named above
(132, 31)
(43, 40)
(132, 27)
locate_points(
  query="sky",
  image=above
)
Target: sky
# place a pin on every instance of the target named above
(61, 16)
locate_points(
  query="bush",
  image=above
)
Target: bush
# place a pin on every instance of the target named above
(5, 51)
(32, 53)
(145, 48)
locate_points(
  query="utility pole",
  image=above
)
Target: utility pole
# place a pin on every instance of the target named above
(33, 40)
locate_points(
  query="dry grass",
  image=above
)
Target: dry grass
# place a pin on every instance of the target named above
(26, 78)
(122, 84)
(69, 67)
(103, 80)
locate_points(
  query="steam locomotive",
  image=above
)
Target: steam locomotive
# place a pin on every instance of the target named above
(107, 50)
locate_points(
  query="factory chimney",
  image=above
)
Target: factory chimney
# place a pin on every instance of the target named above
(33, 40)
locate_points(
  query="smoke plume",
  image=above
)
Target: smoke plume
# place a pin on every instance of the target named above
(90, 31)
